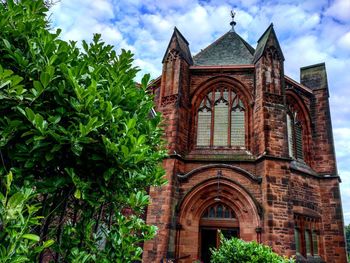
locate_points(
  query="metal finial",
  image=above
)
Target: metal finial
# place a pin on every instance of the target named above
(233, 23)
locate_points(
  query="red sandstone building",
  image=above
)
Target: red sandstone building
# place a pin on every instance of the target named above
(251, 153)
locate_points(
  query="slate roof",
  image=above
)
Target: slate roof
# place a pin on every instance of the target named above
(182, 46)
(230, 49)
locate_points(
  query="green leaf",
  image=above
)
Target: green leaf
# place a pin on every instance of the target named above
(54, 119)
(31, 237)
(19, 259)
(131, 123)
(9, 178)
(15, 200)
(77, 194)
(7, 44)
(77, 149)
(45, 79)
(145, 80)
(38, 87)
(30, 114)
(48, 243)
(5, 83)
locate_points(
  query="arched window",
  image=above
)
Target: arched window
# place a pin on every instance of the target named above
(295, 136)
(218, 211)
(221, 119)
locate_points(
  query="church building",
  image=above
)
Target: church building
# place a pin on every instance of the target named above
(251, 154)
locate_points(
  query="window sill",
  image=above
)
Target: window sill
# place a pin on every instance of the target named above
(222, 154)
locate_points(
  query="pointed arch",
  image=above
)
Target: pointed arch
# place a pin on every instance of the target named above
(299, 121)
(245, 209)
(222, 113)
(200, 92)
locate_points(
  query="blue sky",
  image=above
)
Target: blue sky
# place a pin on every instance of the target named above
(309, 31)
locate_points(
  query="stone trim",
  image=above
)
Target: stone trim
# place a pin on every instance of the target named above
(247, 174)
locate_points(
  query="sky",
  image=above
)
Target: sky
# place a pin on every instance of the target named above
(309, 32)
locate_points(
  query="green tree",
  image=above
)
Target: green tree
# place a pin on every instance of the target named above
(347, 235)
(76, 127)
(238, 251)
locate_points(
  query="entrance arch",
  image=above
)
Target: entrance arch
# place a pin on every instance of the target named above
(195, 206)
(216, 218)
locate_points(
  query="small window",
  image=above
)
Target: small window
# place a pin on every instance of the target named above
(308, 242)
(218, 211)
(306, 237)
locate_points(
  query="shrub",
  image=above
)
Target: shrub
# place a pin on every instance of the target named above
(76, 128)
(238, 251)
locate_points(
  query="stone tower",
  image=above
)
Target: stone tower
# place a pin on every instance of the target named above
(251, 153)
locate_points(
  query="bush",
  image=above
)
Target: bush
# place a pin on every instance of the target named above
(75, 127)
(238, 251)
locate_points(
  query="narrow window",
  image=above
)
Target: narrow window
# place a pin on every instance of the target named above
(308, 242)
(299, 141)
(211, 212)
(290, 136)
(204, 123)
(219, 211)
(227, 213)
(295, 135)
(315, 242)
(237, 122)
(297, 240)
(220, 120)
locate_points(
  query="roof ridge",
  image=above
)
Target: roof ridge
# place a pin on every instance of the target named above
(210, 45)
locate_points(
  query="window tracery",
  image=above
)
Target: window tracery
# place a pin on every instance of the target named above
(221, 119)
(218, 211)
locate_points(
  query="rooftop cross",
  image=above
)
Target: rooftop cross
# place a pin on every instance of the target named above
(233, 23)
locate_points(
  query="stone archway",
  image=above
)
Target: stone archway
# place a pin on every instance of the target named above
(204, 195)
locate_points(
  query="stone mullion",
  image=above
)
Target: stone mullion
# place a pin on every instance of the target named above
(229, 116)
(212, 118)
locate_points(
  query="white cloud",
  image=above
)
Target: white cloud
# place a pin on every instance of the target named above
(340, 10)
(344, 41)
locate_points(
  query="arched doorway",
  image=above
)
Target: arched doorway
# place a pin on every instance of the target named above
(202, 213)
(217, 218)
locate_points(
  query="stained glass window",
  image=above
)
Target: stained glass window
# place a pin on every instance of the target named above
(221, 119)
